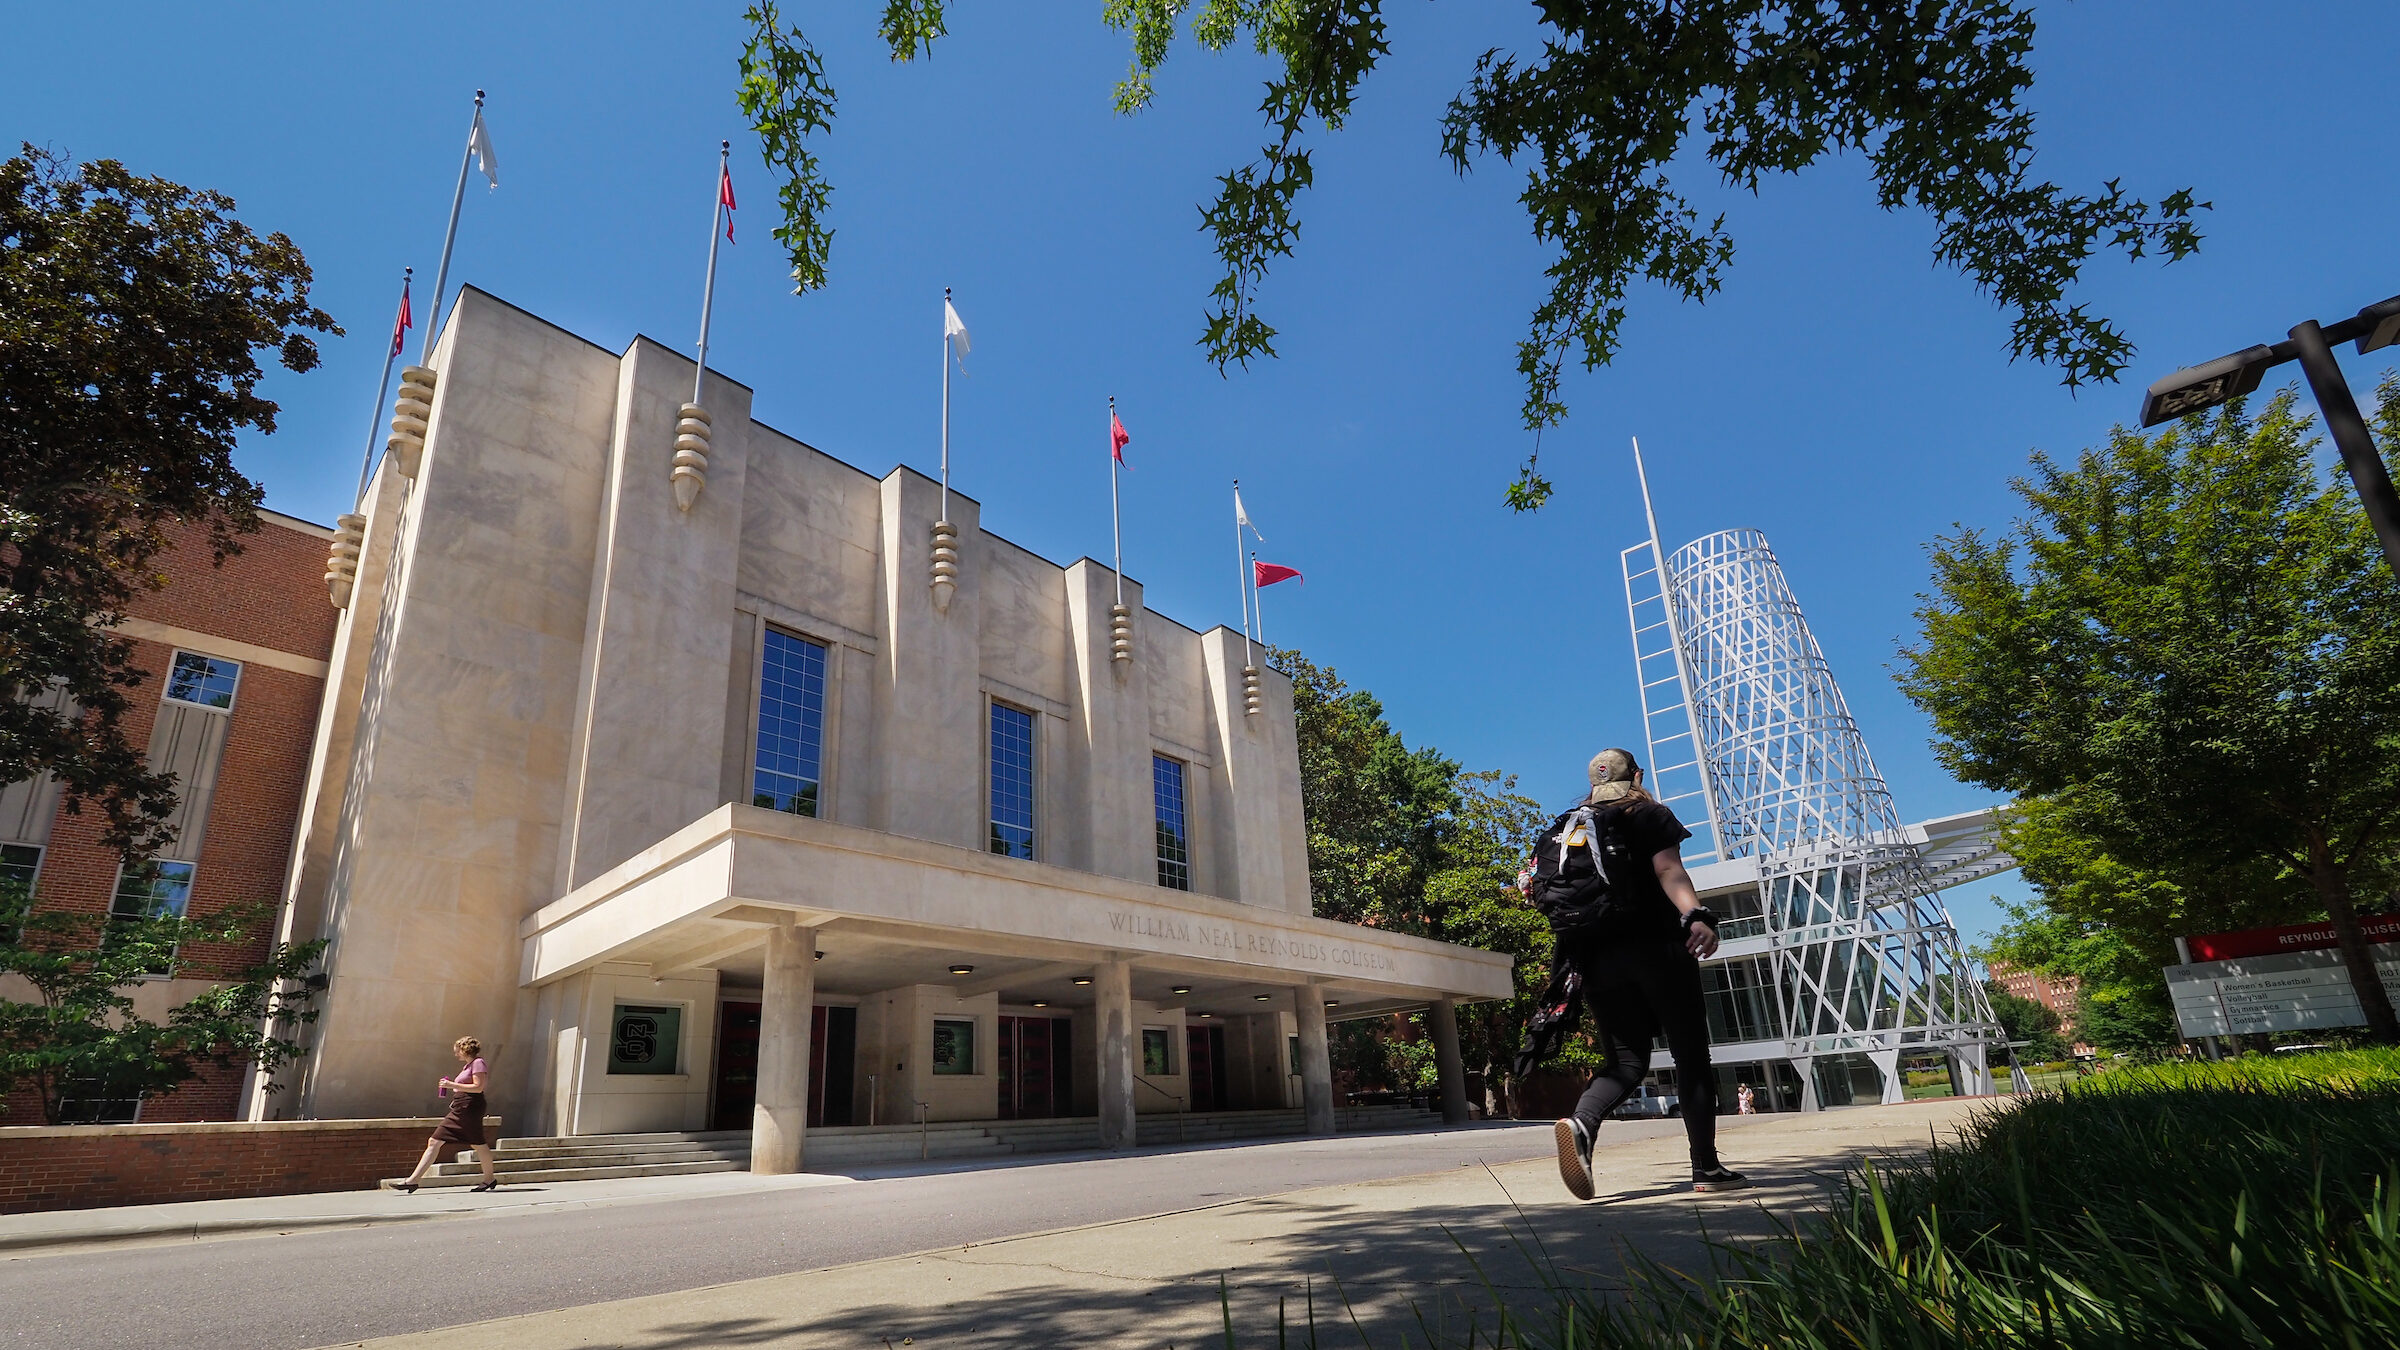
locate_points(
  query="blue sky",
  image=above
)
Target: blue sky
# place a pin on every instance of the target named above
(1841, 393)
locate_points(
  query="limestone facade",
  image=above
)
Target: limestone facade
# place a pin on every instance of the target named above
(531, 803)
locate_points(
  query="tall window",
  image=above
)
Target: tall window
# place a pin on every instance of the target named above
(1174, 844)
(18, 864)
(157, 889)
(791, 725)
(1012, 781)
(203, 680)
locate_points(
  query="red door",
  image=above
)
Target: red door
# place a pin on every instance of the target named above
(1204, 1065)
(737, 1065)
(1026, 1068)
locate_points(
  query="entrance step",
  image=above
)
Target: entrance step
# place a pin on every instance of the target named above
(534, 1161)
(832, 1148)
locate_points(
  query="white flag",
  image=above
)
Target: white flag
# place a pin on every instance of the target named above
(1242, 517)
(479, 144)
(954, 328)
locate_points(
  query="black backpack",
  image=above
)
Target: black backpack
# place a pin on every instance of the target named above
(1568, 876)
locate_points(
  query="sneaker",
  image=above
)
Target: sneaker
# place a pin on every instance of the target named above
(1718, 1178)
(1575, 1157)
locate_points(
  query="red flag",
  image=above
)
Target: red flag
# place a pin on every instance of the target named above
(1118, 438)
(725, 198)
(1269, 573)
(403, 322)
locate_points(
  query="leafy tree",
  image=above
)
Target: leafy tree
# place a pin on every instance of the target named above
(1928, 91)
(2029, 1020)
(1379, 814)
(2192, 651)
(2112, 926)
(131, 312)
(2144, 908)
(2122, 1005)
(79, 1038)
(2127, 1019)
(1408, 841)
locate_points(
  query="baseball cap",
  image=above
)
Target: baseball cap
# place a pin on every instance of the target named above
(1613, 772)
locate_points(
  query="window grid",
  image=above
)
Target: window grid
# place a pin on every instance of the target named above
(154, 890)
(157, 889)
(19, 864)
(203, 680)
(788, 768)
(1012, 781)
(1174, 842)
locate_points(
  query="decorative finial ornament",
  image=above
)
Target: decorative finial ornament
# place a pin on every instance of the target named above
(1252, 700)
(412, 416)
(690, 472)
(1120, 635)
(341, 565)
(945, 563)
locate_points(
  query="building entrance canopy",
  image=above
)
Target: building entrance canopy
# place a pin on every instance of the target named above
(898, 907)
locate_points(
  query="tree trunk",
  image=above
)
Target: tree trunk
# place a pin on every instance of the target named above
(2333, 886)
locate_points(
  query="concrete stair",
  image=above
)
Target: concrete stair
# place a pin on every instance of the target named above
(841, 1148)
(598, 1157)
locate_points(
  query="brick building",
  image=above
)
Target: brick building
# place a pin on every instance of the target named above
(2055, 992)
(233, 662)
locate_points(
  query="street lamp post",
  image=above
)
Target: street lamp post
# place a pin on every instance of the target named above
(2198, 388)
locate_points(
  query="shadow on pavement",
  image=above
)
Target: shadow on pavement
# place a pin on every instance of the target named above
(1360, 1269)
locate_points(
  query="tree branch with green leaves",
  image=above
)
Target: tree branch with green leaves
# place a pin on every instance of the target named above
(2187, 657)
(1930, 92)
(132, 314)
(80, 1036)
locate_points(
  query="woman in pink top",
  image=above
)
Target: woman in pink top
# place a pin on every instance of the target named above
(464, 1123)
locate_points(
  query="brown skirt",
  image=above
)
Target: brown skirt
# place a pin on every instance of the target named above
(464, 1124)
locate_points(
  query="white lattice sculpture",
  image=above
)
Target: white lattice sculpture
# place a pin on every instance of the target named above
(1758, 740)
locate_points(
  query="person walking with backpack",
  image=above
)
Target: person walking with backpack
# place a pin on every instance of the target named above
(1631, 932)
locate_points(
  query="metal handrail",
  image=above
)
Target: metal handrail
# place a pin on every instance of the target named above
(1178, 1100)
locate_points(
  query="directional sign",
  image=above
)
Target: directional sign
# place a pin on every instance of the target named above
(2288, 991)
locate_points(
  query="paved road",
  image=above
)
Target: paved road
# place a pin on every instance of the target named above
(324, 1288)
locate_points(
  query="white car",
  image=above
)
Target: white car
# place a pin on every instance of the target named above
(1649, 1103)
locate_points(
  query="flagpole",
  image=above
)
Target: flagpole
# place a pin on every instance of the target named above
(1250, 655)
(391, 353)
(441, 278)
(945, 515)
(1256, 602)
(708, 289)
(1116, 523)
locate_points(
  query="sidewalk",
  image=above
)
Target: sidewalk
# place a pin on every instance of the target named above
(1385, 1253)
(51, 1231)
(199, 1220)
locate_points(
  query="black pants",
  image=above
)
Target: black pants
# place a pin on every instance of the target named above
(1636, 989)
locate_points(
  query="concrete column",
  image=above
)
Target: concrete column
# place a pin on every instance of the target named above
(1316, 1060)
(1112, 988)
(1448, 1068)
(1972, 1070)
(1806, 1067)
(1887, 1063)
(779, 1121)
